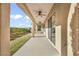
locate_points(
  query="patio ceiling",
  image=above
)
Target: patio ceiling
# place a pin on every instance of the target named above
(43, 7)
(78, 5)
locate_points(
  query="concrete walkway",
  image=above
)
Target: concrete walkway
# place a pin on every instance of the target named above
(37, 46)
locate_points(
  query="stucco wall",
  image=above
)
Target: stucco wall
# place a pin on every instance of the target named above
(61, 15)
(69, 31)
(75, 31)
(62, 11)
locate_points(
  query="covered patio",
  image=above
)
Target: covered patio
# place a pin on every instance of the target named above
(55, 29)
(37, 46)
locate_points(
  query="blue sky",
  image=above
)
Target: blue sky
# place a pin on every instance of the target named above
(18, 18)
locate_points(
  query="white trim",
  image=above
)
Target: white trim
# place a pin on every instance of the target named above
(58, 38)
(46, 32)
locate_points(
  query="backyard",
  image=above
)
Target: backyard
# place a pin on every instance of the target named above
(18, 36)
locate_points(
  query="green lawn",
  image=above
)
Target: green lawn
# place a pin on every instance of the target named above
(18, 42)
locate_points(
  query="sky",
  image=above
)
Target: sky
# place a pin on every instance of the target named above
(18, 18)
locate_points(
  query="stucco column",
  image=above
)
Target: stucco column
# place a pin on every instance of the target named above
(4, 29)
(36, 28)
(42, 28)
(69, 30)
(75, 31)
(33, 29)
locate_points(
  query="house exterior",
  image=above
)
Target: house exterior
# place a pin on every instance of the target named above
(59, 25)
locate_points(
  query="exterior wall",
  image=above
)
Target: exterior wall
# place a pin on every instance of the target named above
(61, 14)
(62, 11)
(4, 29)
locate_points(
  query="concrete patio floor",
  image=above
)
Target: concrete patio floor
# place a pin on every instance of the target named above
(37, 46)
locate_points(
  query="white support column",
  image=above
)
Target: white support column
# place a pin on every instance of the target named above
(4, 29)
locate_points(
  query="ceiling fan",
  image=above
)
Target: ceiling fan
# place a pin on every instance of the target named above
(40, 13)
(39, 23)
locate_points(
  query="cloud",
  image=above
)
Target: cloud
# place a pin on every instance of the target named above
(17, 16)
(22, 24)
(27, 17)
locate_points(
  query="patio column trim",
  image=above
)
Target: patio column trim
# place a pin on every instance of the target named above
(4, 29)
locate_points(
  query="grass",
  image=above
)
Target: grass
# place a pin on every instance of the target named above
(18, 42)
